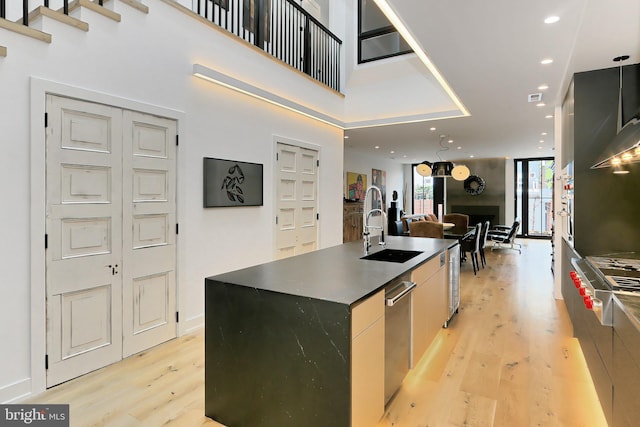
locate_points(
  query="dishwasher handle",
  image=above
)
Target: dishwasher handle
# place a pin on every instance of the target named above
(396, 294)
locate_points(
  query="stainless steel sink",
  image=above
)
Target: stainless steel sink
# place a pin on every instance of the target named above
(392, 255)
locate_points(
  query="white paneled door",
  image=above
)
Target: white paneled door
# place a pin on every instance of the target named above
(110, 218)
(149, 247)
(297, 200)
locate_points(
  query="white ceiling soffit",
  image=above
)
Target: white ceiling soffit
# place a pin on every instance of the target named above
(395, 90)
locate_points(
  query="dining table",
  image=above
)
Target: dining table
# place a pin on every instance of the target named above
(460, 237)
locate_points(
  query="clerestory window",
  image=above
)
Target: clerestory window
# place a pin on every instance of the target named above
(377, 38)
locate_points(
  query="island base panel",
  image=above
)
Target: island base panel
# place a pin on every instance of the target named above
(273, 359)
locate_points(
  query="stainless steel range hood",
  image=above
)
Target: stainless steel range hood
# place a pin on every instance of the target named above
(625, 146)
(624, 149)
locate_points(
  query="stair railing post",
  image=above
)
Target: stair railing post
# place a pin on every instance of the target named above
(3, 10)
(65, 7)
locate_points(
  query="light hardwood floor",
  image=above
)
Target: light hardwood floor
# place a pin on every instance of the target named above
(508, 359)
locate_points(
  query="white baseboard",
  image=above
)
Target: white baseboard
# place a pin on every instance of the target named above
(13, 393)
(191, 325)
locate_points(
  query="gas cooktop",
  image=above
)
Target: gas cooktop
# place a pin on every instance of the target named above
(621, 271)
(614, 263)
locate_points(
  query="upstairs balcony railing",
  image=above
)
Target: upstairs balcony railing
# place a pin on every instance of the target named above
(283, 29)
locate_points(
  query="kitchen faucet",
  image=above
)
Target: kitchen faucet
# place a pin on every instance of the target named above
(366, 215)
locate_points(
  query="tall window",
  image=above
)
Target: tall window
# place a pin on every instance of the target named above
(377, 38)
(534, 196)
(422, 193)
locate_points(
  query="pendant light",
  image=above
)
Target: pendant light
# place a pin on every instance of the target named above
(443, 169)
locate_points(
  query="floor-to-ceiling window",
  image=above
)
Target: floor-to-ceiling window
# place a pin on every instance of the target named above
(534, 196)
(422, 194)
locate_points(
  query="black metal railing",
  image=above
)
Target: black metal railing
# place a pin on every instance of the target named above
(283, 29)
(26, 6)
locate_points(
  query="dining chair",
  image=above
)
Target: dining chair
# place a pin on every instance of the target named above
(471, 244)
(461, 222)
(483, 242)
(426, 229)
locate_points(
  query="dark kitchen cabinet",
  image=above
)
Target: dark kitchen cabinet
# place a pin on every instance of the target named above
(626, 370)
(571, 298)
(595, 339)
(606, 206)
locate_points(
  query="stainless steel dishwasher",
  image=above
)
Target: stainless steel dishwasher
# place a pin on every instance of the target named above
(397, 317)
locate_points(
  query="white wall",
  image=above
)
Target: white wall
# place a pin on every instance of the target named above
(362, 163)
(145, 62)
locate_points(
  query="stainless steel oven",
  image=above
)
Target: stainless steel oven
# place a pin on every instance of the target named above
(592, 326)
(597, 279)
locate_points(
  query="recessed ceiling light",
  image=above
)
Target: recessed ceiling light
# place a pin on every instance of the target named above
(543, 134)
(546, 61)
(392, 152)
(346, 137)
(376, 147)
(543, 87)
(540, 104)
(459, 148)
(548, 116)
(541, 141)
(432, 129)
(472, 156)
(450, 141)
(539, 148)
(551, 19)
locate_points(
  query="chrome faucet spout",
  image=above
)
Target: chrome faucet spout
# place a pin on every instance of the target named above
(365, 221)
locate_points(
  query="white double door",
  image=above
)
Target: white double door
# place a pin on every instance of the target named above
(110, 224)
(297, 200)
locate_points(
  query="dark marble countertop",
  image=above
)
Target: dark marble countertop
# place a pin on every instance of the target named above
(336, 274)
(630, 304)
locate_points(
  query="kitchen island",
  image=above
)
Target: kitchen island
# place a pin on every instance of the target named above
(300, 341)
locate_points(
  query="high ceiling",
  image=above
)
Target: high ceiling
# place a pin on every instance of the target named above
(490, 54)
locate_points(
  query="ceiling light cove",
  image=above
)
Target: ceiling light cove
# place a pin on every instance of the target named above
(543, 87)
(391, 15)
